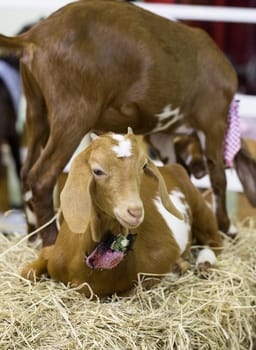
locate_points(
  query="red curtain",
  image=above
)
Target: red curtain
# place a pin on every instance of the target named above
(162, 1)
(237, 40)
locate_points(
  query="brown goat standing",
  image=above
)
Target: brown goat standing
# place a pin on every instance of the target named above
(114, 187)
(106, 65)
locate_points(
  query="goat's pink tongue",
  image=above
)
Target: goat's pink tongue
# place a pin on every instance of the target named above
(104, 258)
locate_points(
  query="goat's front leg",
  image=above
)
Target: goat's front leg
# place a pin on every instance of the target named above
(34, 270)
(181, 266)
(206, 233)
(43, 177)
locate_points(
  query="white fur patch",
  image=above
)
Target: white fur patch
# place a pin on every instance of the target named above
(31, 216)
(179, 228)
(28, 196)
(165, 114)
(206, 255)
(232, 231)
(124, 147)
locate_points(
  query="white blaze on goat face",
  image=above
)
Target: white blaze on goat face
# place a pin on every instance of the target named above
(124, 147)
(179, 228)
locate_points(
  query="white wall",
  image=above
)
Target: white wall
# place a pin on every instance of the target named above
(14, 14)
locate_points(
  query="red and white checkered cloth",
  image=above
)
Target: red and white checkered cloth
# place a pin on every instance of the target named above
(232, 143)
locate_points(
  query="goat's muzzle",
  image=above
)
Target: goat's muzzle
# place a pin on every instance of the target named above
(131, 216)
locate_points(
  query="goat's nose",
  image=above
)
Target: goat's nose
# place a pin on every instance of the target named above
(136, 212)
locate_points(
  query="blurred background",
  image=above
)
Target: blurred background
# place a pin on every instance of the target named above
(237, 40)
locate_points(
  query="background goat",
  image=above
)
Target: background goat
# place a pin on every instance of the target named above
(114, 187)
(185, 150)
(106, 65)
(10, 93)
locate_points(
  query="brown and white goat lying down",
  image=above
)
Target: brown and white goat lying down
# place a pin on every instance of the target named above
(124, 216)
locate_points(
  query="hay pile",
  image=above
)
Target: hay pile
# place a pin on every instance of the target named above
(186, 313)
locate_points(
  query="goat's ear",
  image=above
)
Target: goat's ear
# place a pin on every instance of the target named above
(165, 198)
(75, 198)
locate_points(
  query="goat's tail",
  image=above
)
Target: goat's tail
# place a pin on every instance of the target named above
(245, 166)
(12, 43)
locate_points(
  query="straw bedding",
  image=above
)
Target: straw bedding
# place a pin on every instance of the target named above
(189, 312)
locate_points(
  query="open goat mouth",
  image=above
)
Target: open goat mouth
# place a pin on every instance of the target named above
(109, 252)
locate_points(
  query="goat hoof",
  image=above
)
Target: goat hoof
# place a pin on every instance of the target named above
(203, 269)
(181, 267)
(232, 231)
(29, 273)
(204, 266)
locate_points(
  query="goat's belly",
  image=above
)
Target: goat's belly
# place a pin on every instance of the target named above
(118, 119)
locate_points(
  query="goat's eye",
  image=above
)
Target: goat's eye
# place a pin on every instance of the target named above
(145, 165)
(98, 172)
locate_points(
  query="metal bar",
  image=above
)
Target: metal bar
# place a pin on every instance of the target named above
(202, 13)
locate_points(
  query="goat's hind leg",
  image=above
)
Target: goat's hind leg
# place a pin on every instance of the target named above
(214, 150)
(205, 232)
(214, 155)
